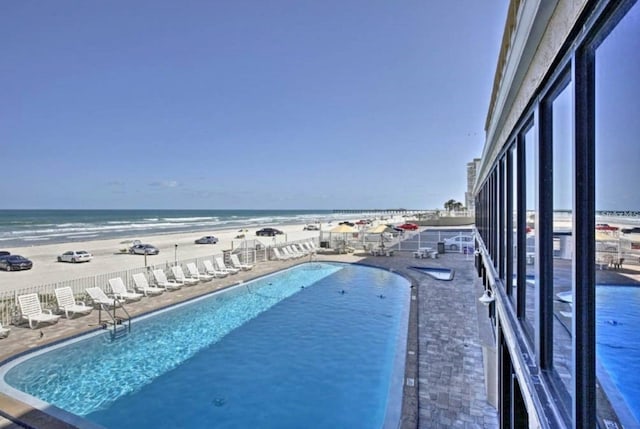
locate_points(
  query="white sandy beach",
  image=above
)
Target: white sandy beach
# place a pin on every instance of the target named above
(107, 257)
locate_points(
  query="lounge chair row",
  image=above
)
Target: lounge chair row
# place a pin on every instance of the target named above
(294, 251)
(32, 312)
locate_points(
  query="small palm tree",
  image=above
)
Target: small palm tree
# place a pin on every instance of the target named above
(449, 205)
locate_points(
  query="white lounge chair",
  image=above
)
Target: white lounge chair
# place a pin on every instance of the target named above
(180, 277)
(4, 332)
(31, 311)
(142, 285)
(163, 282)
(293, 253)
(222, 267)
(208, 266)
(193, 272)
(287, 253)
(301, 249)
(67, 303)
(281, 256)
(120, 291)
(98, 296)
(239, 265)
(310, 247)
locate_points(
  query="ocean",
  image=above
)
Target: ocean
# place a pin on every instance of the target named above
(37, 227)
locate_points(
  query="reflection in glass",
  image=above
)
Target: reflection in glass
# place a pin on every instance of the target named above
(531, 194)
(513, 159)
(617, 255)
(562, 234)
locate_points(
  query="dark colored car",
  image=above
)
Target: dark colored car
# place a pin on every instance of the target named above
(347, 223)
(409, 226)
(15, 263)
(396, 229)
(207, 239)
(143, 249)
(268, 232)
(634, 230)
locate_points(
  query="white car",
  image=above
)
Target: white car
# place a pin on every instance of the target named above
(311, 228)
(459, 242)
(75, 256)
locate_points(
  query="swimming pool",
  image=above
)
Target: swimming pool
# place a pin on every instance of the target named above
(318, 345)
(618, 343)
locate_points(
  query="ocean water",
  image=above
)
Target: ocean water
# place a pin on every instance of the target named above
(34, 227)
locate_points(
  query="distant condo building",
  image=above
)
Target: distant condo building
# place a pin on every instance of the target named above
(469, 201)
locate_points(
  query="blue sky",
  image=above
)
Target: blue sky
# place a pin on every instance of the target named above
(243, 104)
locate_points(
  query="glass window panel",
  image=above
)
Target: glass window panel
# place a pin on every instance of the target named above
(562, 246)
(505, 212)
(531, 197)
(513, 159)
(617, 203)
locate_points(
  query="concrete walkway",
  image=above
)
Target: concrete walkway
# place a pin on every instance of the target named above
(444, 382)
(451, 392)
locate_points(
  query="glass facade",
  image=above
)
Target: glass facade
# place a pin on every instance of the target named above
(558, 216)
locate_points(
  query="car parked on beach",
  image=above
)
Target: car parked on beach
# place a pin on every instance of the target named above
(143, 249)
(346, 222)
(75, 256)
(207, 239)
(395, 229)
(409, 226)
(605, 227)
(634, 230)
(14, 263)
(311, 228)
(459, 242)
(268, 232)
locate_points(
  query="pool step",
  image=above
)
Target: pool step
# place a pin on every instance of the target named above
(119, 331)
(119, 326)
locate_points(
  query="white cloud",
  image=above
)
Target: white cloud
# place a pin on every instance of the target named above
(165, 184)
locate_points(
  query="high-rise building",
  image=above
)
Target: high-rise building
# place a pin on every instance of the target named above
(472, 168)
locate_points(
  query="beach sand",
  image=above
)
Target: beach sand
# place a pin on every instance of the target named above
(107, 257)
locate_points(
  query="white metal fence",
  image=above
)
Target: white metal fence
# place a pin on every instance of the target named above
(10, 313)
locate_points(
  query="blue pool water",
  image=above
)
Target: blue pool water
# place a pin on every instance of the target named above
(618, 345)
(313, 346)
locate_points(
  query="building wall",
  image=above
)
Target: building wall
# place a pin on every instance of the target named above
(566, 84)
(536, 65)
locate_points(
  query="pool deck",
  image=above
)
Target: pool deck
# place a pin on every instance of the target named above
(444, 380)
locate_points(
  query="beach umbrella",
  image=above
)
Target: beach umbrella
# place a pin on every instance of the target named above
(344, 229)
(379, 229)
(606, 244)
(601, 236)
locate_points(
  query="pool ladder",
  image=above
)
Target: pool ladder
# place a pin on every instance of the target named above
(120, 325)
